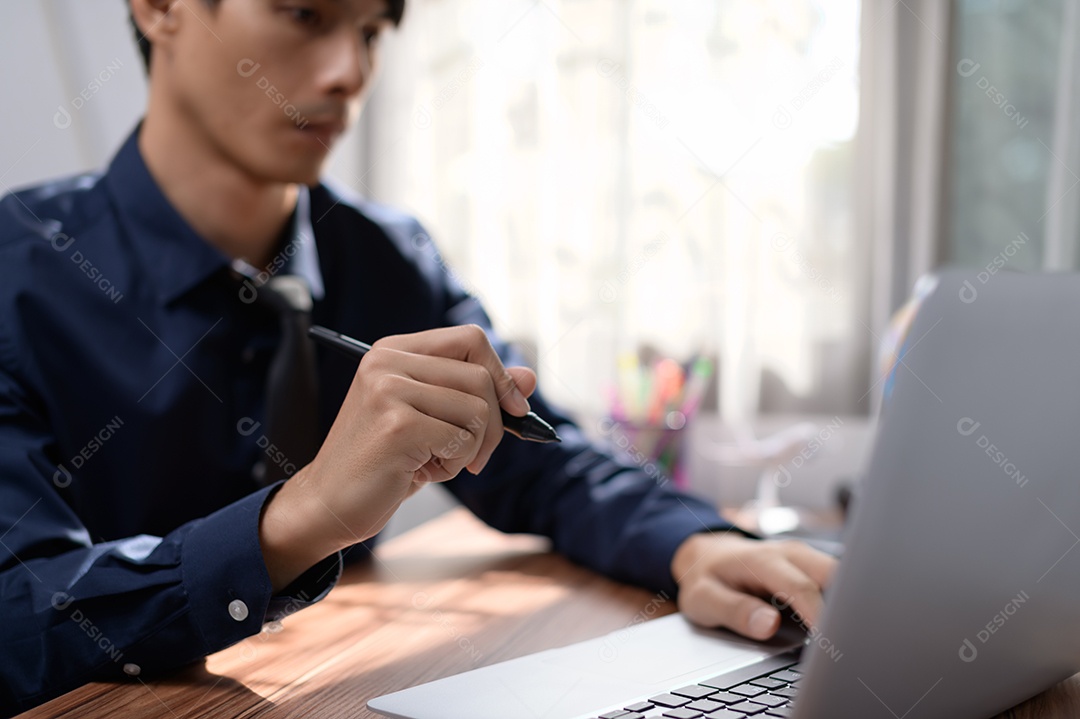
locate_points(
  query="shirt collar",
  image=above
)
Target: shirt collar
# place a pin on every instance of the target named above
(172, 255)
(298, 256)
(306, 260)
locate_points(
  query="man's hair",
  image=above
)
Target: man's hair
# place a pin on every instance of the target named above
(395, 10)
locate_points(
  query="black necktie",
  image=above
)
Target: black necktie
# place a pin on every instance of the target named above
(292, 411)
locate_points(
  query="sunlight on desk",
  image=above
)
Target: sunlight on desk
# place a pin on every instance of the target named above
(450, 596)
(450, 593)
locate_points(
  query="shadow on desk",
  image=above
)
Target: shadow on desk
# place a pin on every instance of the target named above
(449, 596)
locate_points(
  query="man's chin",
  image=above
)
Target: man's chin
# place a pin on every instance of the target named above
(310, 178)
(305, 174)
(291, 162)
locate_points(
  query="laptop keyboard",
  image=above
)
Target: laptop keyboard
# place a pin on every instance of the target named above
(762, 690)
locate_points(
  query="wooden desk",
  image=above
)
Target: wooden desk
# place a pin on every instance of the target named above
(451, 595)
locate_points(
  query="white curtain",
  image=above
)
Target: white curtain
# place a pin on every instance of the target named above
(905, 70)
(1062, 215)
(607, 174)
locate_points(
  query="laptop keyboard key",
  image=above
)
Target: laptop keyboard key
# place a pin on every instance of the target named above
(617, 714)
(725, 714)
(779, 712)
(669, 700)
(694, 691)
(770, 701)
(748, 708)
(747, 690)
(787, 675)
(682, 714)
(639, 707)
(769, 683)
(789, 692)
(704, 705)
(765, 667)
(726, 697)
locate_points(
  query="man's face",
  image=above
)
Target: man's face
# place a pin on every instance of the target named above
(271, 84)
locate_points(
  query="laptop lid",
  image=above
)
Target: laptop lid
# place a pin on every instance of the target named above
(959, 591)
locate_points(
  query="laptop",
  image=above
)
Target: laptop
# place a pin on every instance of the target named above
(958, 594)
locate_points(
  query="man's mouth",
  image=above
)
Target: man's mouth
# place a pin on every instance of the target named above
(325, 131)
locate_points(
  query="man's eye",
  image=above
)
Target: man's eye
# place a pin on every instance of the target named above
(371, 35)
(303, 15)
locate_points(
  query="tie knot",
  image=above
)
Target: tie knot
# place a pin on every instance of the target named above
(288, 292)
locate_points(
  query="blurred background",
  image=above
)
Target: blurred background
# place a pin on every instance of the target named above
(754, 182)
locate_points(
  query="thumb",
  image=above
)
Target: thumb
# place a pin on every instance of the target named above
(524, 378)
(712, 604)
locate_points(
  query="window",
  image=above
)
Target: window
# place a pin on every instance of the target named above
(606, 174)
(1001, 132)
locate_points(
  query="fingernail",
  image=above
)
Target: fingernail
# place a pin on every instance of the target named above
(477, 465)
(762, 622)
(521, 398)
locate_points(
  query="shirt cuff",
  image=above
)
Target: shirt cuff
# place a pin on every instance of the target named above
(308, 588)
(667, 532)
(225, 576)
(721, 528)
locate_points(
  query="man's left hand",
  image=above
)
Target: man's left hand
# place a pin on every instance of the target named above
(727, 580)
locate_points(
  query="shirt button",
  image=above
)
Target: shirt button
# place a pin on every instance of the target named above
(247, 356)
(132, 670)
(258, 472)
(238, 610)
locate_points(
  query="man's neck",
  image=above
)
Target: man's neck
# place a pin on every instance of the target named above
(232, 211)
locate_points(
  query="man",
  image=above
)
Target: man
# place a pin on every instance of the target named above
(144, 361)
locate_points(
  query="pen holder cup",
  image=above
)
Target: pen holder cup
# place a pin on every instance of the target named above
(657, 448)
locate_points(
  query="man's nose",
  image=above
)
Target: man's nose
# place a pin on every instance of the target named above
(347, 68)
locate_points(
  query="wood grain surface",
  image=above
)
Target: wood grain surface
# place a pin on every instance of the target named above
(448, 596)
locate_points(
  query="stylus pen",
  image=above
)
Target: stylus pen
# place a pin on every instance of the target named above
(529, 427)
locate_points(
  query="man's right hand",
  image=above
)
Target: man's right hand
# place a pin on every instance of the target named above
(421, 408)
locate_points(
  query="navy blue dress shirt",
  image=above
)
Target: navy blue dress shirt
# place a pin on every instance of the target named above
(132, 370)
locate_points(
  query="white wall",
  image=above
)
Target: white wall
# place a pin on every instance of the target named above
(65, 54)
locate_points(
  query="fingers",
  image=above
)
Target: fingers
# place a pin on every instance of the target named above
(743, 584)
(818, 566)
(790, 586)
(466, 343)
(712, 604)
(456, 426)
(472, 405)
(778, 571)
(524, 378)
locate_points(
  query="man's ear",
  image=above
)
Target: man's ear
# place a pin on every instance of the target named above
(156, 19)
